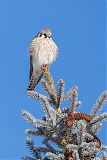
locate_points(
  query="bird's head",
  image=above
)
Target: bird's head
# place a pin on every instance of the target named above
(45, 33)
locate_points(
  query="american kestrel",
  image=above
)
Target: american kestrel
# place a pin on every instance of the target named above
(43, 51)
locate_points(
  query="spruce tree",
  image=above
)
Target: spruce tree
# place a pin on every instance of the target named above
(67, 134)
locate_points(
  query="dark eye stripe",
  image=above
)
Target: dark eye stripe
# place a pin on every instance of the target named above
(40, 34)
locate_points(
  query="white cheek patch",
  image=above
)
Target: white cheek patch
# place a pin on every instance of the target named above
(42, 36)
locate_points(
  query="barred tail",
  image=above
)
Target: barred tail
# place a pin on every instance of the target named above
(34, 81)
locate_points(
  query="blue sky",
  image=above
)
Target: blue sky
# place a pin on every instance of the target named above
(79, 31)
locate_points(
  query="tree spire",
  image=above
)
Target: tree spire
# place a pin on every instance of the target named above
(66, 134)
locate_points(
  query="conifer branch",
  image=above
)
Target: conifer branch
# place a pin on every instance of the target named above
(32, 120)
(75, 155)
(73, 132)
(59, 94)
(42, 99)
(32, 148)
(81, 134)
(53, 156)
(34, 133)
(98, 119)
(67, 94)
(49, 146)
(49, 79)
(88, 136)
(73, 99)
(99, 103)
(47, 88)
(77, 104)
(96, 127)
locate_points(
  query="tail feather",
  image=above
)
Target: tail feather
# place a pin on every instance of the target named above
(34, 81)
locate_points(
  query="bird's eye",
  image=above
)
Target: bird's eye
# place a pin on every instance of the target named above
(45, 35)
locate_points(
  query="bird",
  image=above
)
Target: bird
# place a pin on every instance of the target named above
(43, 51)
